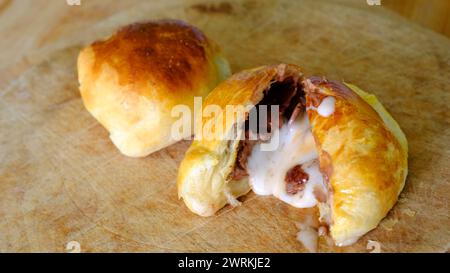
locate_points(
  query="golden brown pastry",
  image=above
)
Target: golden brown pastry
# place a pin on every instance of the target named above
(337, 148)
(363, 152)
(130, 81)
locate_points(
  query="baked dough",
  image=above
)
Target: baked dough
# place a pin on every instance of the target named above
(361, 150)
(130, 81)
(204, 174)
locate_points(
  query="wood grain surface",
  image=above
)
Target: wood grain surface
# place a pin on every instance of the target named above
(62, 180)
(433, 14)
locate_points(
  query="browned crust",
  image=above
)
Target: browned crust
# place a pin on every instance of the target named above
(131, 81)
(168, 52)
(194, 182)
(363, 161)
(245, 88)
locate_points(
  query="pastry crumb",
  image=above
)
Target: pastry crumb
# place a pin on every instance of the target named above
(374, 246)
(388, 224)
(409, 212)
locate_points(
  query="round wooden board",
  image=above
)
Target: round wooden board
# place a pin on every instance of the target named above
(62, 180)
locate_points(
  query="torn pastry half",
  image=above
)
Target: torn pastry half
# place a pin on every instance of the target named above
(337, 148)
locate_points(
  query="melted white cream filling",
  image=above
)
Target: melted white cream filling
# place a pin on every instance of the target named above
(267, 169)
(326, 107)
(309, 238)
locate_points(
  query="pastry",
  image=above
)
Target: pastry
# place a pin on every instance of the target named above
(336, 148)
(131, 81)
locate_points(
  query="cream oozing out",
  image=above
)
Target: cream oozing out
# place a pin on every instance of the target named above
(326, 107)
(267, 169)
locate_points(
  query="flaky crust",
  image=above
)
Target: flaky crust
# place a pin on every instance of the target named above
(203, 174)
(131, 81)
(363, 153)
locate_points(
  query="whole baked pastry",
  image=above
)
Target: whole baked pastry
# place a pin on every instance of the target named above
(337, 148)
(131, 81)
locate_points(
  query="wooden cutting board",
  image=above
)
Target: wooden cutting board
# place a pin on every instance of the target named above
(62, 180)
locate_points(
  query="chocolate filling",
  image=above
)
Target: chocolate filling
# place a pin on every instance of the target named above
(289, 96)
(296, 179)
